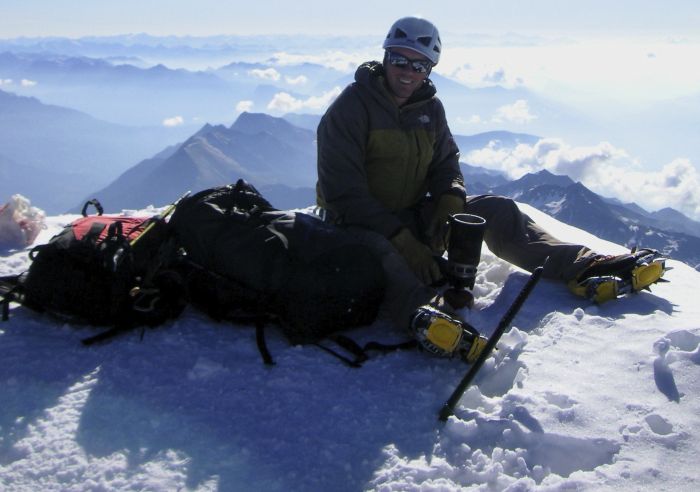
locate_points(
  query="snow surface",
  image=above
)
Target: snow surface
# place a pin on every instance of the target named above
(578, 397)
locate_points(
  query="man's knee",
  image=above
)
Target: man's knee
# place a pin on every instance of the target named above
(497, 210)
(377, 242)
(492, 206)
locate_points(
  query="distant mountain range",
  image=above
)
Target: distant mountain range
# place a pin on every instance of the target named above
(120, 93)
(200, 51)
(120, 90)
(145, 95)
(571, 202)
(276, 156)
(279, 159)
(137, 79)
(55, 155)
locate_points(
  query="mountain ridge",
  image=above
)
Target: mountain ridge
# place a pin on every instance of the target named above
(576, 205)
(262, 149)
(279, 158)
(70, 152)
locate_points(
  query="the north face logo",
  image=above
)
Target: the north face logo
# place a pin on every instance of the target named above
(424, 119)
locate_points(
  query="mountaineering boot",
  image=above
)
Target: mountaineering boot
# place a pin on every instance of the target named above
(610, 277)
(445, 336)
(459, 298)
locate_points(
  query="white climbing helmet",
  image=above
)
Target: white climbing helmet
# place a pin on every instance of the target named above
(417, 34)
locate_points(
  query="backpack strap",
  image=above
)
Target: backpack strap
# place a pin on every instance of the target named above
(261, 343)
(359, 352)
(9, 292)
(108, 334)
(115, 230)
(94, 202)
(386, 348)
(35, 250)
(259, 320)
(350, 346)
(94, 232)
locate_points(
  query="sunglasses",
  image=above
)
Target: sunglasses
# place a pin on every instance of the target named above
(418, 66)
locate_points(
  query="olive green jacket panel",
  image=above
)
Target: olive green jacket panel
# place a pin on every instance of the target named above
(376, 159)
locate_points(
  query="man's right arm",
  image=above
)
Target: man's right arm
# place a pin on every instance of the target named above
(342, 179)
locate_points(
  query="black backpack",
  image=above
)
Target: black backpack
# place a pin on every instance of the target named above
(104, 271)
(246, 260)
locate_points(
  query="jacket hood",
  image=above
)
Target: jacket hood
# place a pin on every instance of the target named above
(371, 75)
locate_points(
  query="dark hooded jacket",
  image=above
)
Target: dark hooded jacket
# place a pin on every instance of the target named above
(376, 159)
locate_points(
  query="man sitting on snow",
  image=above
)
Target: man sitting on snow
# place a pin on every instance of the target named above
(388, 171)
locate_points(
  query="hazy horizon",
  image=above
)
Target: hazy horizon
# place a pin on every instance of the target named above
(626, 69)
(182, 17)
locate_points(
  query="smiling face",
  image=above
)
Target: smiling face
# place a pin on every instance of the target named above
(404, 81)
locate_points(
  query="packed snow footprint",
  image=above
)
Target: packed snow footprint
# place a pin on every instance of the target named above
(674, 347)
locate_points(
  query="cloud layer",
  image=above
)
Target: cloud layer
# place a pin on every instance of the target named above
(23, 82)
(174, 121)
(518, 112)
(603, 168)
(284, 102)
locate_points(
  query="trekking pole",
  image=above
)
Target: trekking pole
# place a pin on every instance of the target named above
(449, 406)
(162, 216)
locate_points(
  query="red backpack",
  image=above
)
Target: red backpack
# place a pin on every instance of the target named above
(101, 270)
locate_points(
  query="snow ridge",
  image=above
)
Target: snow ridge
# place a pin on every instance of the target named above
(577, 397)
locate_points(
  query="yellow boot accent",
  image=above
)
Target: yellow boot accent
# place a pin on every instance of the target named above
(444, 334)
(596, 289)
(478, 345)
(645, 275)
(576, 288)
(602, 289)
(605, 291)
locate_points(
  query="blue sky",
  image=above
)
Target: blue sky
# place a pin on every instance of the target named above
(76, 18)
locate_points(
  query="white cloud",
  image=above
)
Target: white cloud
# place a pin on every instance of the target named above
(676, 185)
(174, 121)
(338, 60)
(483, 75)
(284, 102)
(267, 74)
(5, 81)
(28, 83)
(518, 112)
(603, 168)
(496, 77)
(244, 106)
(300, 80)
(554, 155)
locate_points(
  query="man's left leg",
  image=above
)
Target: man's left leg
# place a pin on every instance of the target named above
(516, 238)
